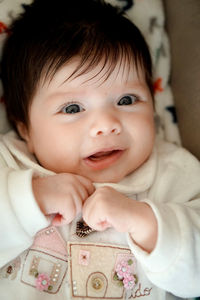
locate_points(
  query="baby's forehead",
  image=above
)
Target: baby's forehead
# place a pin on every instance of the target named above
(102, 72)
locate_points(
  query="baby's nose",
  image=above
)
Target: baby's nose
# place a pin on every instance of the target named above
(105, 125)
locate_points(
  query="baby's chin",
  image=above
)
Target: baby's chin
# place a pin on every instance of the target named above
(106, 178)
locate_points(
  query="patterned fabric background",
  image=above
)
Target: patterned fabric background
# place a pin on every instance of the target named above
(148, 15)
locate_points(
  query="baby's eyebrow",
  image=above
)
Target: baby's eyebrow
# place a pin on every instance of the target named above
(133, 84)
(63, 94)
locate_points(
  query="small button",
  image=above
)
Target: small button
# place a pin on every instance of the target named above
(97, 283)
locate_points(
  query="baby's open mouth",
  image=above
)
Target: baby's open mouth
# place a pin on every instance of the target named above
(102, 155)
(103, 159)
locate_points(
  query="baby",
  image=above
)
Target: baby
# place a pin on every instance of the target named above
(92, 205)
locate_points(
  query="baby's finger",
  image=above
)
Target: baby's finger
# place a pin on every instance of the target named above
(59, 220)
(87, 183)
(78, 200)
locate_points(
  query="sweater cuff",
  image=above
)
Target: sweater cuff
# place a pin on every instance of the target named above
(165, 253)
(23, 202)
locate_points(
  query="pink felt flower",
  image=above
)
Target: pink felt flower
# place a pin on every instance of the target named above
(42, 282)
(129, 281)
(122, 269)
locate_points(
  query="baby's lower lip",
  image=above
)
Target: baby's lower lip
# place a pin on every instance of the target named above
(103, 160)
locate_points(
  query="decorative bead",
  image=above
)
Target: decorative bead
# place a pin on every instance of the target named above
(44, 282)
(124, 269)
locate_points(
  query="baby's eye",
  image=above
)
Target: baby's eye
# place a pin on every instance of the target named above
(72, 109)
(127, 100)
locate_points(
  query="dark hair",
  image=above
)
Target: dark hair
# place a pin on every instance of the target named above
(50, 33)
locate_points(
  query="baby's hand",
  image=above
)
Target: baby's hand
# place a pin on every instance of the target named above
(108, 208)
(61, 195)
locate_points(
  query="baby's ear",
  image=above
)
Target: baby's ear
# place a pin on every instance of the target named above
(24, 133)
(22, 130)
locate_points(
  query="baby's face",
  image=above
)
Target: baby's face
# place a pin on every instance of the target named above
(99, 129)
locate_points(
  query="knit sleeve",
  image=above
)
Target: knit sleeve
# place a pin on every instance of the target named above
(20, 216)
